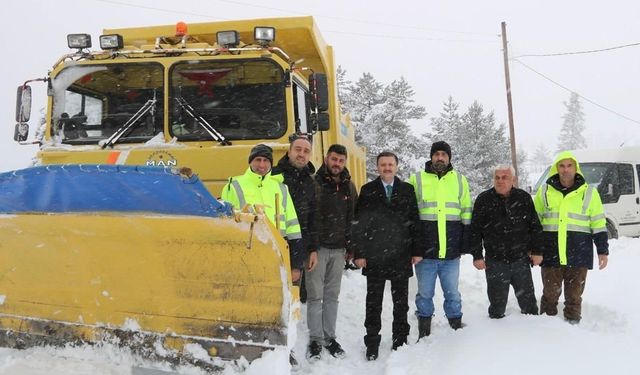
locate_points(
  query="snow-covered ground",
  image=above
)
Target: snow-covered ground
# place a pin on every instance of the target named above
(606, 342)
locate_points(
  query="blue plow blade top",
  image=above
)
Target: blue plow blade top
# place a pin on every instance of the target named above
(106, 188)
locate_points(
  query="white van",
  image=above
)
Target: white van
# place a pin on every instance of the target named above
(615, 172)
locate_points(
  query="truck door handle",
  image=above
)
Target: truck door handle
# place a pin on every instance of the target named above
(638, 200)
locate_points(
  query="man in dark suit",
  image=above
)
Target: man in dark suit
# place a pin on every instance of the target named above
(385, 247)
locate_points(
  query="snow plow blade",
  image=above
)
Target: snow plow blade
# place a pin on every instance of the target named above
(140, 257)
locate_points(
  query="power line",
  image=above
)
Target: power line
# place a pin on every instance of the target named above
(580, 52)
(572, 91)
(386, 36)
(350, 20)
(173, 11)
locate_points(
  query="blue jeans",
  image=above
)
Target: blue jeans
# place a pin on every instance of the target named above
(448, 271)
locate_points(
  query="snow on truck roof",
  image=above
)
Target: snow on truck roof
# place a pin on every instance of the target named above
(299, 37)
(620, 154)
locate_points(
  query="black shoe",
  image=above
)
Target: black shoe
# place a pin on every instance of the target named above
(495, 316)
(335, 349)
(424, 327)
(455, 323)
(372, 353)
(573, 322)
(292, 360)
(398, 343)
(314, 350)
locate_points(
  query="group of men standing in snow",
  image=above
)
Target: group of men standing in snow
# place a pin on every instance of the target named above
(426, 224)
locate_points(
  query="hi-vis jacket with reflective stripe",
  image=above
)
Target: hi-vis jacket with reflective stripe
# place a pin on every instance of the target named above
(572, 220)
(445, 212)
(253, 189)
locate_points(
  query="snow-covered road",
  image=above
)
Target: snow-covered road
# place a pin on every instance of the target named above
(605, 342)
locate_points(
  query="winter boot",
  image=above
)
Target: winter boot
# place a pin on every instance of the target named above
(455, 323)
(424, 327)
(335, 349)
(398, 342)
(372, 352)
(314, 350)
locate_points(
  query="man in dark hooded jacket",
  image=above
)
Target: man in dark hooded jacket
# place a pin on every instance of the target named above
(296, 171)
(385, 243)
(336, 196)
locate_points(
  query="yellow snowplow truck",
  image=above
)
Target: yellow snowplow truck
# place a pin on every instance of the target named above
(116, 235)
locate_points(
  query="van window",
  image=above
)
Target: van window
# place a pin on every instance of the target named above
(625, 176)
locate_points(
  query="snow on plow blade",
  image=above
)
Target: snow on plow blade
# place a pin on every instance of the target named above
(139, 256)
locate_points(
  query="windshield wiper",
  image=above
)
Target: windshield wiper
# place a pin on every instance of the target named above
(148, 107)
(215, 134)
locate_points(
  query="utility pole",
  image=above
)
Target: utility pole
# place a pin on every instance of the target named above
(512, 134)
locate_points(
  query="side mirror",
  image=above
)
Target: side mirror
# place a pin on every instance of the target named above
(23, 104)
(21, 132)
(320, 121)
(319, 90)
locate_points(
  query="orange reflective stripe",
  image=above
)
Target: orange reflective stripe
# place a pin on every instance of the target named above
(113, 157)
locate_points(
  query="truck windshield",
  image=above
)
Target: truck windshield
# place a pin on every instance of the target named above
(240, 99)
(91, 102)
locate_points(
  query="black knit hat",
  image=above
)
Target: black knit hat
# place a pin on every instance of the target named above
(261, 150)
(440, 146)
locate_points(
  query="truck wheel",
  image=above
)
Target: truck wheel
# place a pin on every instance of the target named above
(611, 231)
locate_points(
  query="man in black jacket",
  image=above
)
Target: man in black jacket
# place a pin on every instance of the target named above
(505, 222)
(296, 171)
(335, 196)
(385, 246)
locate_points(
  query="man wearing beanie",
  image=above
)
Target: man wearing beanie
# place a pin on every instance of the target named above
(257, 187)
(445, 209)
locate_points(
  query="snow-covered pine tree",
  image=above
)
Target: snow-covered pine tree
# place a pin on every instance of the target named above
(573, 126)
(542, 155)
(381, 115)
(522, 157)
(477, 143)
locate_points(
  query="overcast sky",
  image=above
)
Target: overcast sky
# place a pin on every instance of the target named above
(442, 48)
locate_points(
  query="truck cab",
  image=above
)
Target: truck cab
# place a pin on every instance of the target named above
(197, 96)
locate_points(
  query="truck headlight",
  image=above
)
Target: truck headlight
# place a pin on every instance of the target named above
(79, 41)
(111, 41)
(264, 34)
(228, 39)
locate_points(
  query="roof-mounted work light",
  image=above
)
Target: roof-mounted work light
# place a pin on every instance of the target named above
(111, 41)
(79, 41)
(264, 35)
(228, 39)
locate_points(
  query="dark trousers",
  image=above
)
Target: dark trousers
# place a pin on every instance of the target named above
(500, 275)
(400, 298)
(574, 279)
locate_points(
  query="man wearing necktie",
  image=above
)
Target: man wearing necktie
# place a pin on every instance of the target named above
(385, 247)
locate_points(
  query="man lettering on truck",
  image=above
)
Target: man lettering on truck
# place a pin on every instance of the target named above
(573, 221)
(256, 186)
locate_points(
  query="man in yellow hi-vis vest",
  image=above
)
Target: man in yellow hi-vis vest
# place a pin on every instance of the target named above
(256, 186)
(444, 203)
(572, 220)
